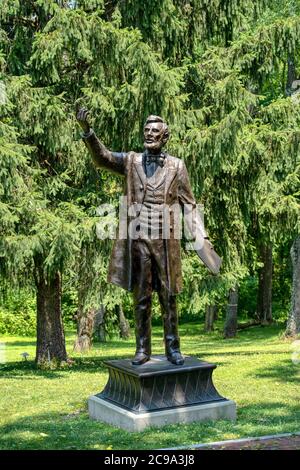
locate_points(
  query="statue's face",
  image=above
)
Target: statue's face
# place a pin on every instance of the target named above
(154, 137)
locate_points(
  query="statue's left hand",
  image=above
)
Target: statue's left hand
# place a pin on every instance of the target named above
(209, 243)
(82, 118)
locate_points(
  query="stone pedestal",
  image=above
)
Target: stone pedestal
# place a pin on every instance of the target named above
(159, 393)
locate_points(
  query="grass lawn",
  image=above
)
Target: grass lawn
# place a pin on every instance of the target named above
(48, 409)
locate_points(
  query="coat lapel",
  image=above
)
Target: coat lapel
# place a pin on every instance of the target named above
(171, 173)
(138, 164)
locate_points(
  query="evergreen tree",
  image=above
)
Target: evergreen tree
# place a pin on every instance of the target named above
(216, 71)
(71, 53)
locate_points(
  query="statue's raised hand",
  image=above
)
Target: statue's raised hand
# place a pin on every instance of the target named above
(82, 118)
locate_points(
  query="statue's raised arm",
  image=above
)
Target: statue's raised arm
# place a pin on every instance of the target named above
(102, 157)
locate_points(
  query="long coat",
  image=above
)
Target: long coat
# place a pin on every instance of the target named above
(177, 191)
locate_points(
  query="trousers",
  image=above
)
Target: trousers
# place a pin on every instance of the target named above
(149, 268)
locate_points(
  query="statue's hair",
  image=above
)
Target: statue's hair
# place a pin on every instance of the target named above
(153, 118)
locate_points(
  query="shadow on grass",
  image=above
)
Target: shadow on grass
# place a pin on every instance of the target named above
(256, 333)
(269, 412)
(55, 430)
(286, 371)
(205, 346)
(24, 369)
(116, 344)
(23, 342)
(27, 370)
(11, 370)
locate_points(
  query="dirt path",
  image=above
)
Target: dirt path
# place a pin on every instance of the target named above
(274, 443)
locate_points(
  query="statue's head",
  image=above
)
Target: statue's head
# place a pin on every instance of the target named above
(156, 133)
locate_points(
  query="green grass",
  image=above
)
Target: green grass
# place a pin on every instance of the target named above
(48, 409)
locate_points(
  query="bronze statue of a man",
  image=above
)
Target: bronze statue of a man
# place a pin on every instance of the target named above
(151, 260)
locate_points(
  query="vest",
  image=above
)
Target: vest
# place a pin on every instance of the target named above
(151, 217)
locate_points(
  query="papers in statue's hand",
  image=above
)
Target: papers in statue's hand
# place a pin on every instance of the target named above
(209, 257)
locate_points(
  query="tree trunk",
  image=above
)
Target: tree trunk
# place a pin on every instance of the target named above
(293, 323)
(86, 313)
(99, 324)
(50, 334)
(216, 313)
(291, 75)
(85, 329)
(230, 327)
(264, 295)
(123, 323)
(210, 317)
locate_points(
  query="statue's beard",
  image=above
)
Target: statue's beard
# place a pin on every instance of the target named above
(153, 145)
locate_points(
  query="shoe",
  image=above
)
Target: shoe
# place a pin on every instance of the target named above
(140, 358)
(176, 358)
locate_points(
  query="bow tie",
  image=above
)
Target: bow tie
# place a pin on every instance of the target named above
(159, 159)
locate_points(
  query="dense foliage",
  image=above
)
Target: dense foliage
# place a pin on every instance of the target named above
(220, 72)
